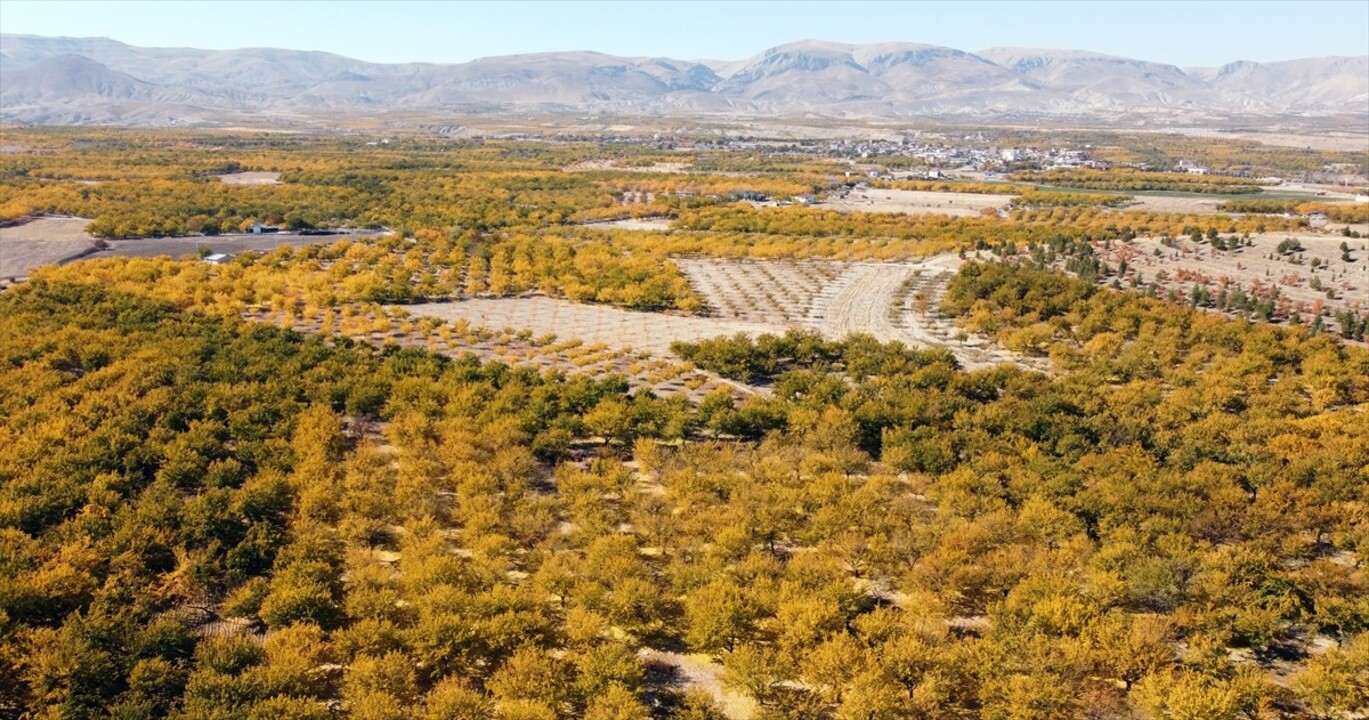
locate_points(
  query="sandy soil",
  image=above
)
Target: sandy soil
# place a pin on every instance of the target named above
(1317, 192)
(660, 167)
(1163, 203)
(837, 299)
(518, 348)
(48, 228)
(251, 178)
(859, 302)
(652, 332)
(1192, 264)
(40, 242)
(1207, 205)
(915, 202)
(770, 292)
(635, 224)
(702, 672)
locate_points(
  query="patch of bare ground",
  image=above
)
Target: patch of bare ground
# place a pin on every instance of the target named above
(1316, 278)
(42, 241)
(702, 672)
(1205, 205)
(595, 165)
(780, 293)
(652, 332)
(251, 178)
(915, 202)
(456, 335)
(890, 301)
(177, 246)
(657, 224)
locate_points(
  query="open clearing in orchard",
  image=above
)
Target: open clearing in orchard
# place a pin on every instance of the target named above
(700, 671)
(657, 224)
(251, 178)
(890, 301)
(1301, 287)
(1207, 204)
(596, 165)
(453, 335)
(42, 241)
(1201, 205)
(178, 246)
(916, 202)
(651, 332)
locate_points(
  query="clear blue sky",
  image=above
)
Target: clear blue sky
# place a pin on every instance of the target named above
(1182, 32)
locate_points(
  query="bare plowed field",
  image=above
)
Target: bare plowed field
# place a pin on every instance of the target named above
(634, 224)
(251, 178)
(1315, 277)
(41, 242)
(652, 332)
(770, 292)
(437, 328)
(916, 202)
(890, 301)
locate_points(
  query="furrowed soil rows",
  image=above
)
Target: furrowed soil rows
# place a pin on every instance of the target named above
(890, 301)
(455, 337)
(916, 202)
(652, 332)
(1315, 278)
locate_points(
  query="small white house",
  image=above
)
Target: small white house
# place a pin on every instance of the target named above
(217, 258)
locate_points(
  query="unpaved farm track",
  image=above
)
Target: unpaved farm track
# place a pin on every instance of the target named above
(858, 301)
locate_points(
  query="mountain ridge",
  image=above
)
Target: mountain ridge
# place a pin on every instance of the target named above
(116, 83)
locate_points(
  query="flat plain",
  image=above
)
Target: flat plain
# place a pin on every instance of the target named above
(916, 202)
(42, 241)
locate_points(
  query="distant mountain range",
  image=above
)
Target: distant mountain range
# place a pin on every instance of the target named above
(47, 80)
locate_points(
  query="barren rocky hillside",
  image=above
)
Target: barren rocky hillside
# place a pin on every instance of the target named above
(97, 80)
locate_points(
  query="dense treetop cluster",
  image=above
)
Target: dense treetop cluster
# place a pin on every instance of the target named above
(203, 517)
